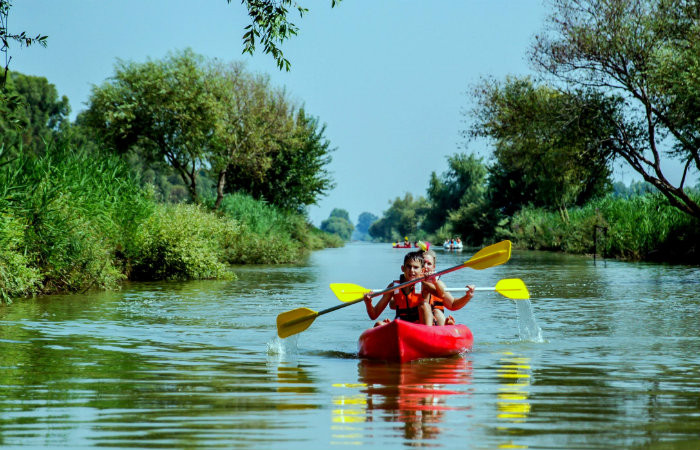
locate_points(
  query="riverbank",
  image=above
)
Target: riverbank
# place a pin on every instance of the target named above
(73, 221)
(639, 228)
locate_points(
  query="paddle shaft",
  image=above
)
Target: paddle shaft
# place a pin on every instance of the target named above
(417, 280)
(464, 289)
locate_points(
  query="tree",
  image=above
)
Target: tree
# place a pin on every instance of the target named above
(252, 122)
(271, 27)
(338, 223)
(403, 218)
(551, 148)
(647, 52)
(38, 115)
(163, 110)
(463, 183)
(296, 174)
(364, 221)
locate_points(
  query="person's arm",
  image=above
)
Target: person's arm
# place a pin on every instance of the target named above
(456, 304)
(374, 311)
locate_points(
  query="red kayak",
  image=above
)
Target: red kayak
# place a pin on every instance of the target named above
(405, 341)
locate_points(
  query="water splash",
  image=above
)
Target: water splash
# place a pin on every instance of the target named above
(527, 325)
(282, 348)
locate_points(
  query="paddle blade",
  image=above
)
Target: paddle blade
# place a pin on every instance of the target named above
(513, 288)
(490, 256)
(295, 321)
(347, 292)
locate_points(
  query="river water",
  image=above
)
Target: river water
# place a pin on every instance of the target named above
(603, 356)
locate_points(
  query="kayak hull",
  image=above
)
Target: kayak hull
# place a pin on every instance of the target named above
(405, 341)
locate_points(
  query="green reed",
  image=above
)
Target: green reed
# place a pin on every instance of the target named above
(268, 234)
(644, 227)
(76, 213)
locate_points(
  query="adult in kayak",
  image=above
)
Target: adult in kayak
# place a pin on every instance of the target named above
(411, 302)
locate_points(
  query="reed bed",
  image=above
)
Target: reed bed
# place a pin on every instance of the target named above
(644, 227)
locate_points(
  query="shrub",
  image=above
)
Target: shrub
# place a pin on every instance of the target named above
(183, 242)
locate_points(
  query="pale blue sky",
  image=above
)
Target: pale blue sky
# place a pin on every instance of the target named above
(389, 78)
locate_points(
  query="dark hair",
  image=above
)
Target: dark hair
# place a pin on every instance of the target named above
(414, 256)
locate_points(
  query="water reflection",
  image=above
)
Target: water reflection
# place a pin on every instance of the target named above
(413, 395)
(513, 396)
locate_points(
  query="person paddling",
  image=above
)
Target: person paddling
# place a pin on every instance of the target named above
(438, 296)
(410, 301)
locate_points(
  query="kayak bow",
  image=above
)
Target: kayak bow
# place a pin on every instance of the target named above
(404, 341)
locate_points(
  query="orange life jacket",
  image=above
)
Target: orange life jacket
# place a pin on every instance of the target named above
(437, 302)
(408, 305)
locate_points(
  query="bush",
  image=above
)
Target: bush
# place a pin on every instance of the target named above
(183, 242)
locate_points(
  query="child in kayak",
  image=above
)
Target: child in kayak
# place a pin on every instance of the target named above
(410, 301)
(438, 297)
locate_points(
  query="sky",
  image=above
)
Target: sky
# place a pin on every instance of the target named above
(390, 79)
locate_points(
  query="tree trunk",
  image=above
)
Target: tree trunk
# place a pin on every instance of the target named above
(220, 188)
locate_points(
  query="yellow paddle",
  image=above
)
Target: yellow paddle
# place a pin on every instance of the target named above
(510, 288)
(298, 320)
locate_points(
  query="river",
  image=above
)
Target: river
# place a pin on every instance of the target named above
(603, 356)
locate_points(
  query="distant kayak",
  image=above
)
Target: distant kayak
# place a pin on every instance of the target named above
(403, 246)
(405, 341)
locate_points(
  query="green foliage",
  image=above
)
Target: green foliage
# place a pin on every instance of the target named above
(295, 175)
(268, 234)
(552, 148)
(338, 223)
(364, 221)
(80, 213)
(18, 278)
(204, 117)
(640, 227)
(645, 51)
(270, 26)
(182, 242)
(32, 113)
(340, 213)
(7, 37)
(402, 219)
(162, 110)
(456, 199)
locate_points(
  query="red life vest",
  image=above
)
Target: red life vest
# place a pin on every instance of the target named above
(408, 305)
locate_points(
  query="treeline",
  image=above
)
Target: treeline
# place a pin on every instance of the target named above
(633, 222)
(617, 85)
(178, 169)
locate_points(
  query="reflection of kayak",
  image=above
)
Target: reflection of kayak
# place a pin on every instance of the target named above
(404, 341)
(420, 386)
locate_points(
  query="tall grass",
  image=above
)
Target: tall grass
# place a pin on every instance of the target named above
(71, 217)
(269, 235)
(644, 227)
(73, 220)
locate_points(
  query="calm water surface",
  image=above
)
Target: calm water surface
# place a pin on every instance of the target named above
(604, 356)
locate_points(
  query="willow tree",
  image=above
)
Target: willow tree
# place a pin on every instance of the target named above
(646, 52)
